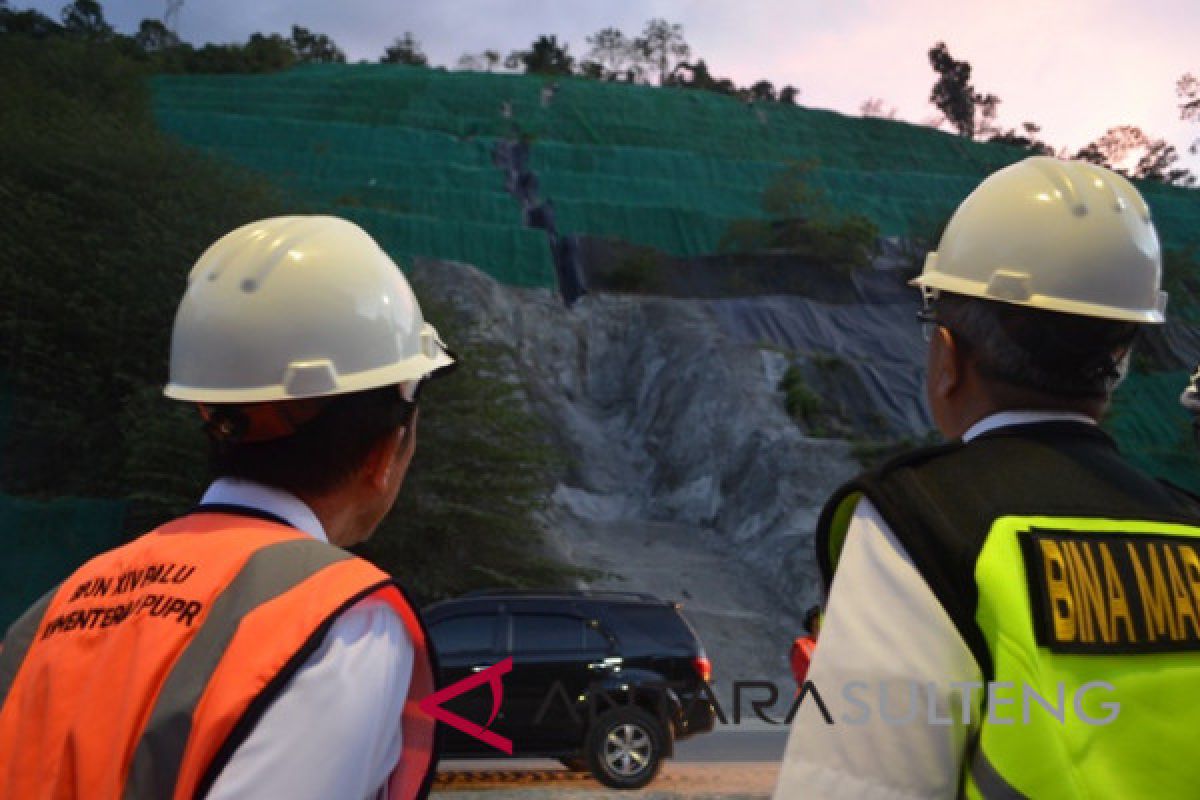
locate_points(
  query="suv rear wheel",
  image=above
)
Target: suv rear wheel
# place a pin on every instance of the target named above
(625, 747)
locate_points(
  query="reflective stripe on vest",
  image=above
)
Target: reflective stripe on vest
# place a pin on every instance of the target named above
(145, 670)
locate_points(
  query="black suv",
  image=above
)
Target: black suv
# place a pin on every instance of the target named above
(603, 681)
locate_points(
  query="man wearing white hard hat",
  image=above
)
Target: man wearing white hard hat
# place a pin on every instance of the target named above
(1190, 400)
(1015, 613)
(238, 651)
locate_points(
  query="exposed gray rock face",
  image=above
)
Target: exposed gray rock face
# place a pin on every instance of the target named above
(686, 476)
(675, 433)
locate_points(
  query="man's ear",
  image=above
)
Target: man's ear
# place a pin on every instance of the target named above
(946, 364)
(381, 459)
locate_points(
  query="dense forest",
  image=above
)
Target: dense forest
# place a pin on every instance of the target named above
(105, 216)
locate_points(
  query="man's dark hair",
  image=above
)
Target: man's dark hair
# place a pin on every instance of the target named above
(811, 617)
(323, 452)
(1064, 355)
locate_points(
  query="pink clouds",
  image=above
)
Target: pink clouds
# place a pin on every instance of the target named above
(1077, 68)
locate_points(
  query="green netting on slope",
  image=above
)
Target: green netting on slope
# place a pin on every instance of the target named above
(1152, 428)
(583, 112)
(447, 204)
(517, 256)
(445, 191)
(695, 159)
(52, 538)
(428, 175)
(281, 133)
(419, 192)
(1176, 214)
(676, 231)
(688, 217)
(682, 192)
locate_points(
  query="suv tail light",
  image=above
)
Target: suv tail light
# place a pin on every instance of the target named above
(703, 668)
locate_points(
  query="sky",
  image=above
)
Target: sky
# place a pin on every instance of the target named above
(1076, 67)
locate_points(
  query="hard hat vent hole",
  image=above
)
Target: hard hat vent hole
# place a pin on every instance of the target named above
(249, 285)
(1080, 210)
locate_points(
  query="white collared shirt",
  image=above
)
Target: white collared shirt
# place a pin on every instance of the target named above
(883, 627)
(334, 731)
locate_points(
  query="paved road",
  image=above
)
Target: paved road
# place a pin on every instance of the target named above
(758, 743)
(728, 764)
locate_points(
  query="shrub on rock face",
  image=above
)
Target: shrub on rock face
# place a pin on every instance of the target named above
(799, 220)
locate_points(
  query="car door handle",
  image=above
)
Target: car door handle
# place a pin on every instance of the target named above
(608, 663)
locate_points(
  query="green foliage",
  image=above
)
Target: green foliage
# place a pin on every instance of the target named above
(799, 220)
(405, 50)
(791, 195)
(638, 271)
(315, 48)
(467, 516)
(801, 402)
(1026, 139)
(161, 50)
(27, 23)
(260, 53)
(698, 76)
(612, 57)
(85, 18)
(154, 37)
(970, 112)
(544, 57)
(661, 46)
(1155, 159)
(105, 217)
(827, 362)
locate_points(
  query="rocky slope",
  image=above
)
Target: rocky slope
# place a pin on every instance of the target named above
(685, 476)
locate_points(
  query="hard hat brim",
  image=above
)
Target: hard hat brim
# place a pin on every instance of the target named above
(413, 368)
(952, 284)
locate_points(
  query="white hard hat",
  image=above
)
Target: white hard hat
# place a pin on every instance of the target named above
(296, 307)
(1190, 399)
(1061, 236)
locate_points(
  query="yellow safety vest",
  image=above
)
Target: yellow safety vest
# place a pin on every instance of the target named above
(1075, 581)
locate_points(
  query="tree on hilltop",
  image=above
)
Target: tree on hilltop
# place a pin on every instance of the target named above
(970, 112)
(662, 47)
(315, 48)
(405, 50)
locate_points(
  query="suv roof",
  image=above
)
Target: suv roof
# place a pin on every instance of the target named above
(592, 594)
(642, 622)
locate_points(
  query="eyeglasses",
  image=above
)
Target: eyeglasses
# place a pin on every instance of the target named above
(928, 320)
(409, 399)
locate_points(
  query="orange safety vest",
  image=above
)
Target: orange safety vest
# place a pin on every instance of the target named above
(802, 652)
(143, 672)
